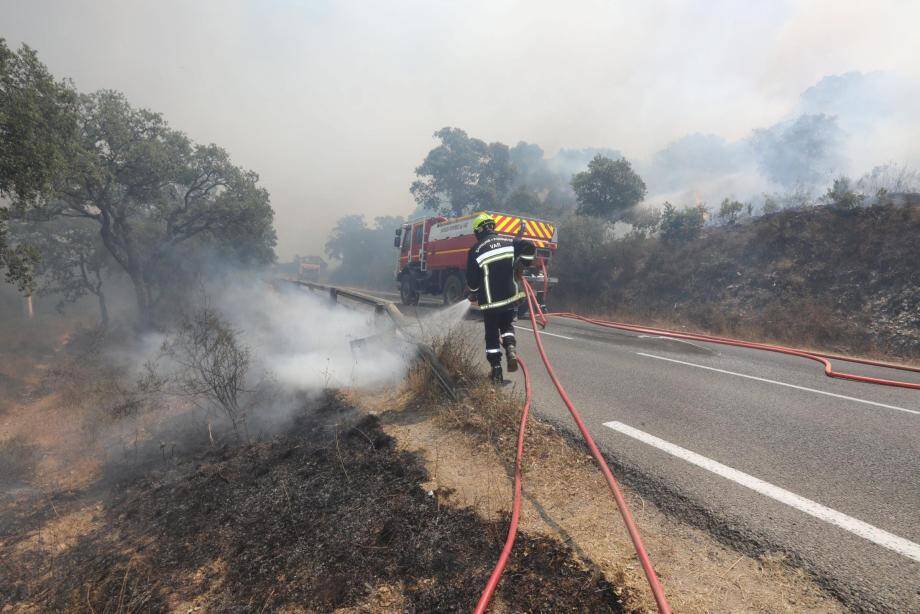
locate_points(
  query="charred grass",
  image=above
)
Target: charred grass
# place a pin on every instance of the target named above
(329, 516)
(317, 521)
(18, 457)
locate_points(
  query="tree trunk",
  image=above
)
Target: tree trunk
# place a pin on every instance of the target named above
(141, 293)
(103, 310)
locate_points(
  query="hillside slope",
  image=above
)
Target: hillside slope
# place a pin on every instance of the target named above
(846, 280)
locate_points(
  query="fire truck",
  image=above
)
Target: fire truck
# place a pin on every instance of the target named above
(433, 250)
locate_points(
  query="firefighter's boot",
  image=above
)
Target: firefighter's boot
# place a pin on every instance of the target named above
(511, 355)
(496, 376)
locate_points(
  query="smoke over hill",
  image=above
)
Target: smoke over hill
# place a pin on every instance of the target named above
(845, 124)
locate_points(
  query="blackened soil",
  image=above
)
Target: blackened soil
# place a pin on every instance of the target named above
(317, 520)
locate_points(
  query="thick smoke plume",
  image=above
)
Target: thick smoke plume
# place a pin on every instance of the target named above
(308, 343)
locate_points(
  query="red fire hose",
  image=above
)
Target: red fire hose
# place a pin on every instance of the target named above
(654, 583)
(631, 528)
(486, 596)
(821, 357)
(516, 505)
(818, 357)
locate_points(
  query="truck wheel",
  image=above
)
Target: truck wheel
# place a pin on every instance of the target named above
(407, 293)
(453, 289)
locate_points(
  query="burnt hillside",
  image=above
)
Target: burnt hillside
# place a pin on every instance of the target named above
(842, 279)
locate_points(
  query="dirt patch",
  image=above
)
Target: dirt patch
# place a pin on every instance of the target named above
(10, 389)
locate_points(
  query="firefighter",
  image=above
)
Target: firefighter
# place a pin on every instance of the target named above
(492, 268)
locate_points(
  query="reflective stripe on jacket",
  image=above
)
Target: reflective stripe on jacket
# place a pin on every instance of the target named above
(490, 269)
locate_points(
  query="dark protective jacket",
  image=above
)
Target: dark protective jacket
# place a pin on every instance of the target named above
(490, 269)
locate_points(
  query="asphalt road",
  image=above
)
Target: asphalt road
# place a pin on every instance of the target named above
(759, 448)
(856, 454)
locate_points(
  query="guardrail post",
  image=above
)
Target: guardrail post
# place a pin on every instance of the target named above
(334, 295)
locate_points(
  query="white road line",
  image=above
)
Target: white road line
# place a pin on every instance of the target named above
(875, 535)
(545, 333)
(770, 381)
(670, 339)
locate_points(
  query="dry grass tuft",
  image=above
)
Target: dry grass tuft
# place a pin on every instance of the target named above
(484, 411)
(489, 414)
(460, 358)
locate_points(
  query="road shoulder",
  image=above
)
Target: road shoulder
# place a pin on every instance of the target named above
(468, 451)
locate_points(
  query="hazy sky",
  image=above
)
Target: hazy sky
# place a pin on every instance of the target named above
(334, 103)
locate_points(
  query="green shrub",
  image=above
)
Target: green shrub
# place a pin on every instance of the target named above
(682, 225)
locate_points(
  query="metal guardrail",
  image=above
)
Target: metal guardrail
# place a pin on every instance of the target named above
(381, 307)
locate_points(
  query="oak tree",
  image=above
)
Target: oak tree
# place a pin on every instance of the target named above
(608, 189)
(463, 174)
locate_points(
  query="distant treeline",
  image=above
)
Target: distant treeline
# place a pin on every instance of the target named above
(596, 188)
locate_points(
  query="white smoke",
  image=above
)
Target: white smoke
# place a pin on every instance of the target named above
(845, 124)
(301, 340)
(307, 343)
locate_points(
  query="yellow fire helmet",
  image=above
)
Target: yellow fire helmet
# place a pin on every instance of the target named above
(481, 220)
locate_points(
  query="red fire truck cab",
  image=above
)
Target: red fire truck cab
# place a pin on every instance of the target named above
(433, 250)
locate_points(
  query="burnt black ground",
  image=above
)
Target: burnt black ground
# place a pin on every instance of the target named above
(318, 518)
